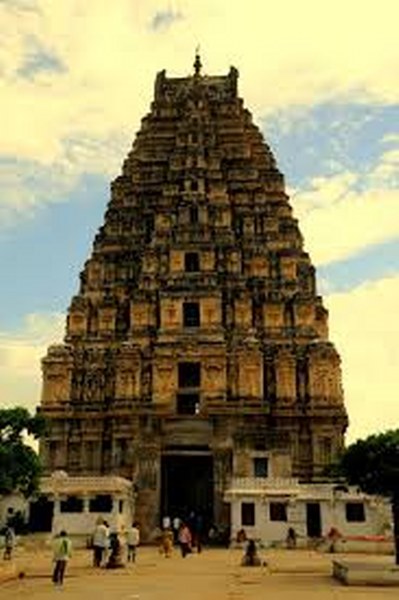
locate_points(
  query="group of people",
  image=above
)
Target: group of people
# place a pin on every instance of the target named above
(108, 549)
(186, 534)
(183, 536)
(108, 546)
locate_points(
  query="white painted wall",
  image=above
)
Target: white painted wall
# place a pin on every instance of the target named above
(378, 519)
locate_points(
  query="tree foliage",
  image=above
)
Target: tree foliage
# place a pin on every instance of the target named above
(19, 463)
(373, 465)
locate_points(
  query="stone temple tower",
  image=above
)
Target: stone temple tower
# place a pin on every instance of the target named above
(197, 347)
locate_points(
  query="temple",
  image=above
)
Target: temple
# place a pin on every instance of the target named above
(197, 347)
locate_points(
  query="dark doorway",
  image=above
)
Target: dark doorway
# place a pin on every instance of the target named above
(41, 515)
(313, 519)
(187, 486)
(189, 375)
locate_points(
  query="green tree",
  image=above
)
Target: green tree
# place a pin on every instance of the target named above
(373, 465)
(19, 463)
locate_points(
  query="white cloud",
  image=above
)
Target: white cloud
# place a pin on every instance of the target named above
(365, 328)
(20, 355)
(93, 67)
(343, 214)
(288, 53)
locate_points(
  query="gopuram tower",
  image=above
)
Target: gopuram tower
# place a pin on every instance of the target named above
(197, 346)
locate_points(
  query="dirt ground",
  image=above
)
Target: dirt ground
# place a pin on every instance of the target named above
(215, 574)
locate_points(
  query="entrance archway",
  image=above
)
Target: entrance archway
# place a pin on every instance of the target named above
(187, 486)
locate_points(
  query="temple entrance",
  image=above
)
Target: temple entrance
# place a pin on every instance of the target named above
(187, 487)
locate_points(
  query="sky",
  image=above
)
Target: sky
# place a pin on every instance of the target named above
(321, 80)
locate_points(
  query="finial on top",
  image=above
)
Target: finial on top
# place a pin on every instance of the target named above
(197, 62)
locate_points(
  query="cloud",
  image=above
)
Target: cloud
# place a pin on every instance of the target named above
(108, 57)
(341, 215)
(20, 355)
(365, 328)
(38, 60)
(76, 79)
(163, 19)
(28, 186)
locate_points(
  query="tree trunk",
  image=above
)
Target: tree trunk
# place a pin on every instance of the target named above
(395, 515)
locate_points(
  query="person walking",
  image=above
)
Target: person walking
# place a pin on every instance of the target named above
(62, 550)
(100, 542)
(9, 542)
(185, 540)
(132, 540)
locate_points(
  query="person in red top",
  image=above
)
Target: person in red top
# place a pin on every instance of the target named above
(185, 540)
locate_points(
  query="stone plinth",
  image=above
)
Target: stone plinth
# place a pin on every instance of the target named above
(365, 573)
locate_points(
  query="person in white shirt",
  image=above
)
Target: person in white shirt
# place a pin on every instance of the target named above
(166, 522)
(132, 540)
(176, 526)
(100, 542)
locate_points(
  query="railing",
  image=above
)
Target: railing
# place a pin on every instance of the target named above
(260, 483)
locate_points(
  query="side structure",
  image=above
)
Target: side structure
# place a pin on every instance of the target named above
(197, 346)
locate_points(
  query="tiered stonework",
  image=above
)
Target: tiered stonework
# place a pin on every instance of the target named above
(197, 333)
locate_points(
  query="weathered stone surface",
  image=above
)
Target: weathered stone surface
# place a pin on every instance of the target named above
(199, 261)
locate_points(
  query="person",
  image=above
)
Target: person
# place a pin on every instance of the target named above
(166, 522)
(132, 540)
(62, 550)
(291, 538)
(176, 526)
(100, 542)
(251, 558)
(9, 542)
(198, 530)
(241, 536)
(166, 542)
(185, 540)
(115, 552)
(333, 536)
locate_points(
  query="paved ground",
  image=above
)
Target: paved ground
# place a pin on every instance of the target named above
(212, 575)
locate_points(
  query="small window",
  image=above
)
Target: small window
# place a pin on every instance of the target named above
(191, 262)
(193, 214)
(101, 504)
(260, 467)
(191, 314)
(189, 375)
(248, 514)
(188, 404)
(120, 506)
(278, 511)
(355, 512)
(71, 505)
(194, 185)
